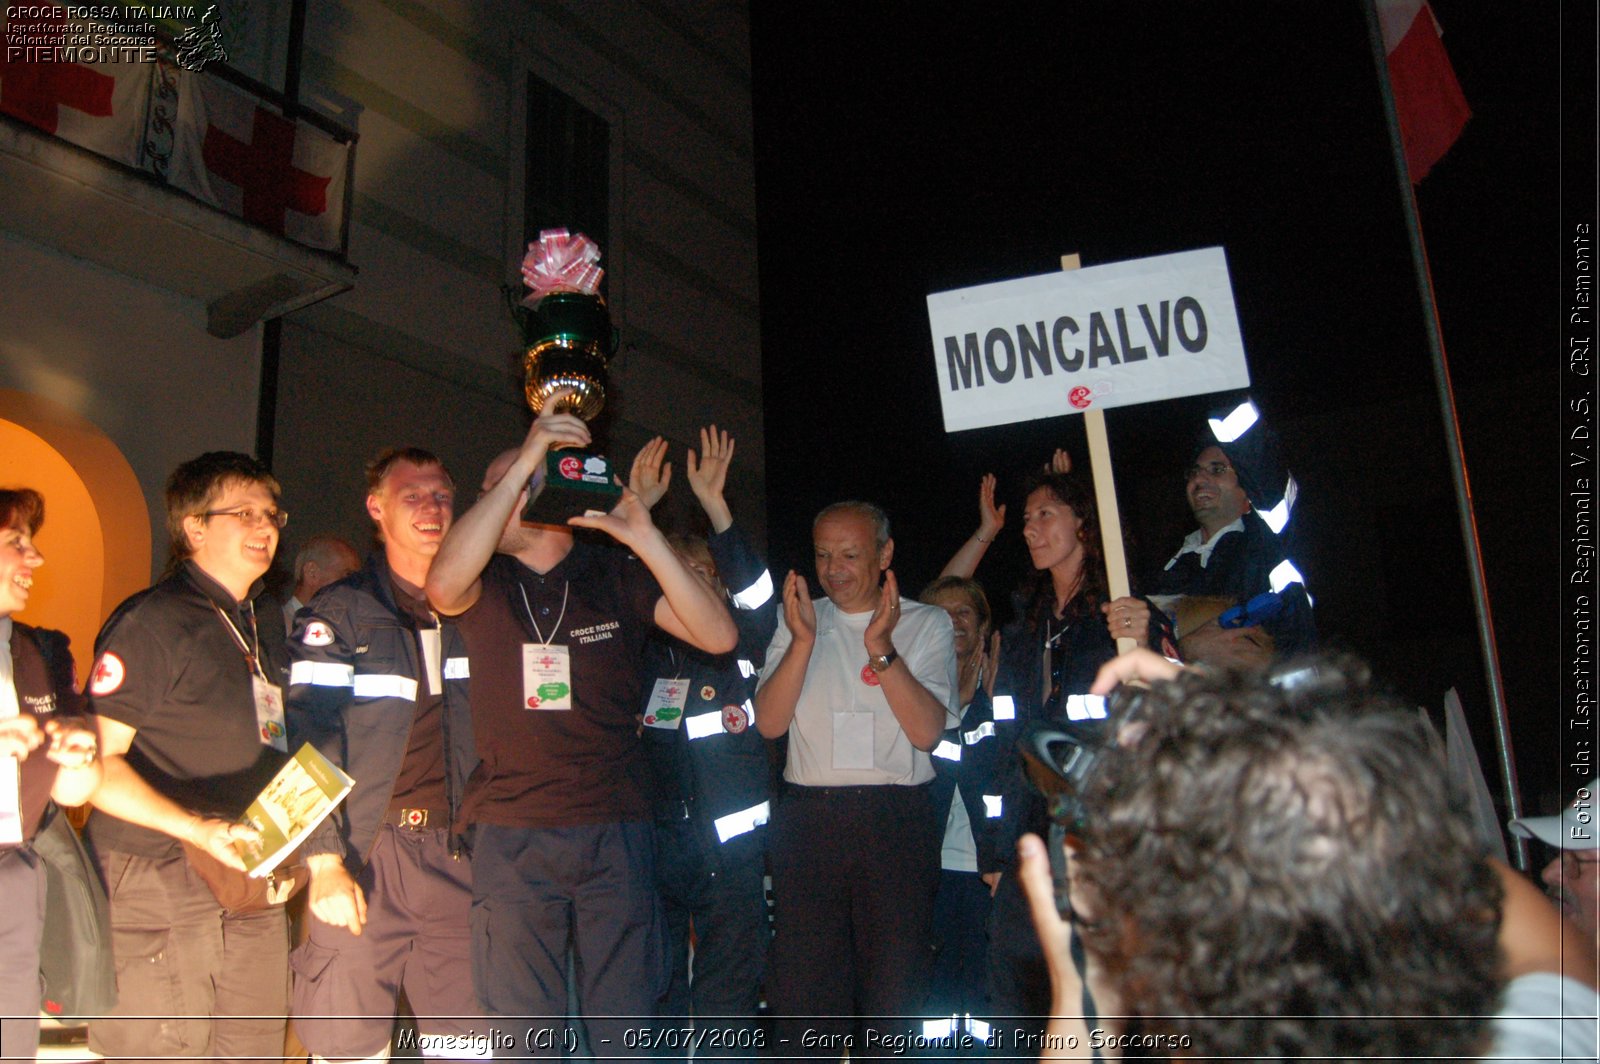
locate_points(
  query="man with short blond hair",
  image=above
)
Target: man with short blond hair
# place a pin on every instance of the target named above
(379, 682)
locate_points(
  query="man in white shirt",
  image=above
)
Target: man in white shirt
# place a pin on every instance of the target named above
(863, 684)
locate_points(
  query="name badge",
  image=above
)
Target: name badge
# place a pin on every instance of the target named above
(665, 708)
(269, 714)
(852, 740)
(546, 676)
(432, 651)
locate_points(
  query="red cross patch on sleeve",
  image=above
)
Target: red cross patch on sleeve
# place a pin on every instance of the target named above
(108, 674)
(317, 634)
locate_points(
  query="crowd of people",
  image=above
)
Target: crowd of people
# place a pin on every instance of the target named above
(580, 751)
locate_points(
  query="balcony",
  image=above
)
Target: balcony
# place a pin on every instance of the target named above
(201, 182)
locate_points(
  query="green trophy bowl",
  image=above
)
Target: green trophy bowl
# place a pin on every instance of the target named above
(574, 341)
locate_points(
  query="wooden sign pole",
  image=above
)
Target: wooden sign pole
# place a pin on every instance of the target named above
(1105, 496)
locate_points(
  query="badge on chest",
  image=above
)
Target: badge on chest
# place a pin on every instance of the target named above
(546, 676)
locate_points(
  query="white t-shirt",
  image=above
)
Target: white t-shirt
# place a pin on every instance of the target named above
(844, 734)
(1545, 1016)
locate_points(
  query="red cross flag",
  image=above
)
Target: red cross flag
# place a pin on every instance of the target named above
(99, 106)
(237, 153)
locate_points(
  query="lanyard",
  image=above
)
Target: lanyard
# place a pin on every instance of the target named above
(252, 656)
(557, 629)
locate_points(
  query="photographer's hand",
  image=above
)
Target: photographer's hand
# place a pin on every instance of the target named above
(1068, 1028)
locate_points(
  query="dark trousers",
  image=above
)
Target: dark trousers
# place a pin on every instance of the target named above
(854, 871)
(417, 935)
(21, 923)
(535, 890)
(722, 902)
(961, 946)
(191, 980)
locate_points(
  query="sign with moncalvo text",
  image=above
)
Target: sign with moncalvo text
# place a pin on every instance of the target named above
(1061, 343)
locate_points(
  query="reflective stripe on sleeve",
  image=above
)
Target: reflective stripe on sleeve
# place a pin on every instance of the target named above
(1004, 708)
(1283, 575)
(1086, 707)
(947, 750)
(457, 669)
(978, 734)
(321, 673)
(747, 668)
(703, 724)
(1277, 517)
(757, 594)
(1236, 424)
(385, 685)
(736, 824)
(993, 806)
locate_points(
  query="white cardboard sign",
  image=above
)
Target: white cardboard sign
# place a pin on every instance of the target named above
(1061, 343)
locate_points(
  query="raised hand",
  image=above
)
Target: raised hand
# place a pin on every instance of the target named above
(650, 475)
(879, 636)
(991, 518)
(708, 475)
(1060, 462)
(628, 522)
(798, 612)
(989, 662)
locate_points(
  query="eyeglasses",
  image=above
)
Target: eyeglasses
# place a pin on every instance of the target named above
(249, 516)
(1214, 470)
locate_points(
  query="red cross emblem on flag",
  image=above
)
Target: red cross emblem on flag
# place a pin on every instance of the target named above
(265, 172)
(35, 92)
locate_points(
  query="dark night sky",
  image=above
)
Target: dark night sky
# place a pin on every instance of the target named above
(910, 148)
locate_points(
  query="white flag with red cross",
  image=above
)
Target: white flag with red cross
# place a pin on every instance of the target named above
(239, 154)
(99, 106)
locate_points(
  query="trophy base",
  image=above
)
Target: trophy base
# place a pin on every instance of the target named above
(572, 483)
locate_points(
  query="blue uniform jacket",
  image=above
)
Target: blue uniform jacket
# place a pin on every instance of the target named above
(352, 691)
(713, 767)
(969, 757)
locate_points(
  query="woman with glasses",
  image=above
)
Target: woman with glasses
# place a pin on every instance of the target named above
(187, 686)
(45, 752)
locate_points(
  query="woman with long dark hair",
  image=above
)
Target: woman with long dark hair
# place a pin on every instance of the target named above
(1066, 628)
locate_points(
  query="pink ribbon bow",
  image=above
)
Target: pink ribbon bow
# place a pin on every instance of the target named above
(560, 262)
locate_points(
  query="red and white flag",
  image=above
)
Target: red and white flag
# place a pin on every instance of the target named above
(99, 106)
(239, 154)
(1427, 96)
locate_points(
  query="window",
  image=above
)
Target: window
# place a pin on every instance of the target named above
(569, 166)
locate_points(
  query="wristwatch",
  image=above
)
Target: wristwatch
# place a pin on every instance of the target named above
(879, 662)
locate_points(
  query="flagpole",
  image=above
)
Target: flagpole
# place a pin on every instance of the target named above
(1452, 428)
